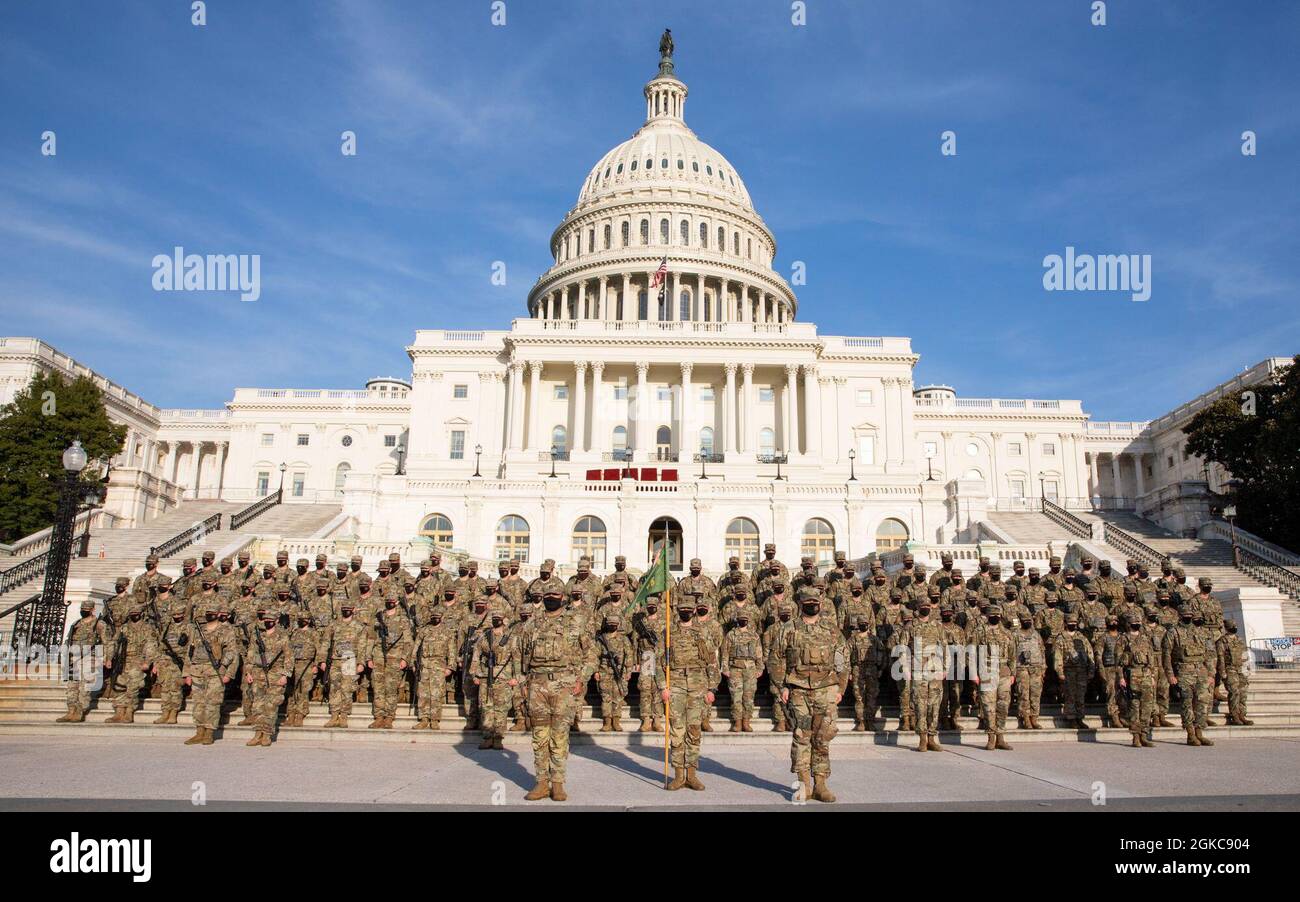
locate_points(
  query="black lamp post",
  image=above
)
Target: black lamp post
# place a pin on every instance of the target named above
(779, 457)
(555, 453)
(704, 458)
(1230, 513)
(853, 456)
(1042, 492)
(478, 453)
(929, 468)
(47, 621)
(280, 490)
(401, 456)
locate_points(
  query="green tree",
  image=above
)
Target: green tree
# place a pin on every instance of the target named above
(35, 429)
(1257, 438)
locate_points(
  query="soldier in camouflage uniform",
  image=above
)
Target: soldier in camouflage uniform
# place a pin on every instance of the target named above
(954, 638)
(557, 658)
(811, 667)
(496, 673)
(1031, 663)
(998, 648)
(85, 634)
(139, 651)
(169, 663)
(768, 567)
(896, 632)
(620, 567)
(211, 662)
(867, 658)
(1054, 578)
(389, 657)
(266, 674)
(586, 581)
(854, 604)
(1075, 663)
(907, 575)
(511, 588)
(1034, 592)
(686, 676)
(1185, 658)
(305, 654)
(742, 664)
(1155, 630)
(283, 573)
(1110, 588)
(696, 583)
(732, 580)
(435, 662)
(146, 584)
(344, 649)
(773, 636)
(740, 603)
(1138, 659)
(1232, 657)
(616, 659)
(1108, 648)
(807, 575)
(927, 662)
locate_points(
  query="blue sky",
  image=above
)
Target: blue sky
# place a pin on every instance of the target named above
(473, 141)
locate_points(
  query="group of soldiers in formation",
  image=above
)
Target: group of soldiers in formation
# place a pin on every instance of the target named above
(279, 637)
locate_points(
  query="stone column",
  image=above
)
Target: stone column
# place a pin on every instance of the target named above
(749, 419)
(686, 443)
(220, 481)
(169, 466)
(515, 435)
(698, 313)
(604, 299)
(580, 312)
(534, 403)
(597, 441)
(1094, 482)
(792, 402)
(629, 306)
(995, 488)
(580, 406)
(642, 410)
(192, 476)
(729, 411)
(670, 308)
(564, 304)
(1141, 477)
(721, 300)
(1118, 487)
(812, 406)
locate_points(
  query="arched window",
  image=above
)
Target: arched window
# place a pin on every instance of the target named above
(512, 538)
(974, 474)
(607, 236)
(663, 442)
(766, 441)
(735, 243)
(649, 164)
(560, 438)
(741, 541)
(620, 438)
(634, 163)
(663, 231)
(704, 236)
(818, 540)
(706, 440)
(626, 229)
(645, 231)
(684, 306)
(722, 238)
(890, 535)
(686, 232)
(438, 528)
(589, 538)
(340, 476)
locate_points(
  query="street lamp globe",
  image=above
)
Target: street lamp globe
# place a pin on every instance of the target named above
(74, 459)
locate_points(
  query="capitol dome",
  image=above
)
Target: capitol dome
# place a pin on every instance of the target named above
(663, 200)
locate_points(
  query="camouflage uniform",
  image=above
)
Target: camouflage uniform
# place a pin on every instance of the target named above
(496, 672)
(1231, 655)
(763, 570)
(742, 664)
(344, 648)
(557, 659)
(773, 637)
(389, 657)
(435, 662)
(927, 663)
(169, 664)
(304, 648)
(998, 647)
(688, 671)
(646, 628)
(211, 662)
(1074, 663)
(1108, 650)
(811, 665)
(954, 638)
(1138, 658)
(139, 651)
(86, 633)
(614, 671)
(266, 675)
(867, 657)
(1185, 659)
(1031, 663)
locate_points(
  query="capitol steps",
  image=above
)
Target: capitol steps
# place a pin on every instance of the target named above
(30, 708)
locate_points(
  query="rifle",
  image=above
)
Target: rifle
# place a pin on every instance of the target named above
(415, 689)
(382, 629)
(467, 648)
(167, 647)
(609, 656)
(212, 659)
(261, 656)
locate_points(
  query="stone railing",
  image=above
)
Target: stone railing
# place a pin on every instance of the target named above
(182, 540)
(255, 510)
(1269, 573)
(1129, 544)
(1072, 524)
(40, 540)
(1260, 548)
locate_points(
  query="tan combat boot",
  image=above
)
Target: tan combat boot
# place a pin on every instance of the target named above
(422, 724)
(541, 791)
(246, 722)
(735, 726)
(693, 780)
(1137, 741)
(1146, 743)
(805, 786)
(69, 717)
(343, 722)
(1034, 724)
(208, 737)
(1200, 734)
(266, 740)
(114, 717)
(162, 718)
(932, 743)
(256, 740)
(196, 738)
(605, 725)
(821, 792)
(558, 794)
(922, 746)
(1002, 742)
(1162, 722)
(645, 725)
(859, 725)
(433, 724)
(519, 725)
(745, 726)
(616, 724)
(496, 742)
(376, 723)
(992, 743)
(486, 741)
(1243, 721)
(128, 715)
(679, 779)
(1191, 736)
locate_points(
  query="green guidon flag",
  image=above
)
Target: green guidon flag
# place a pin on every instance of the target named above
(655, 582)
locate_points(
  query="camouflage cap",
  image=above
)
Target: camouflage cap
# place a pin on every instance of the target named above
(548, 564)
(807, 593)
(906, 614)
(779, 586)
(585, 559)
(908, 558)
(946, 556)
(282, 553)
(364, 583)
(785, 607)
(841, 556)
(983, 560)
(1072, 617)
(805, 561)
(394, 556)
(896, 595)
(613, 618)
(190, 562)
(620, 559)
(87, 604)
(1105, 562)
(209, 555)
(356, 559)
(1229, 623)
(695, 562)
(1010, 592)
(995, 568)
(1055, 560)
(301, 562)
(122, 582)
(1178, 571)
(1130, 591)
(322, 557)
(1205, 582)
(165, 584)
(151, 558)
(1086, 559)
(685, 603)
(994, 609)
(1033, 571)
(769, 547)
(227, 562)
(490, 583)
(733, 560)
(1017, 563)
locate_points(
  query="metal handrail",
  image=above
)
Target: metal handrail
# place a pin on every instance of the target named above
(256, 509)
(1280, 577)
(710, 458)
(1129, 544)
(188, 537)
(1262, 651)
(1077, 525)
(22, 604)
(28, 570)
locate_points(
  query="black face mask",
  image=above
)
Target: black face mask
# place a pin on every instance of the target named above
(1187, 620)
(209, 616)
(1026, 625)
(355, 567)
(347, 613)
(685, 616)
(496, 622)
(1232, 629)
(923, 611)
(268, 623)
(651, 609)
(435, 620)
(553, 604)
(742, 623)
(180, 618)
(784, 616)
(1033, 580)
(695, 571)
(303, 623)
(993, 619)
(1070, 627)
(1199, 622)
(857, 593)
(390, 604)
(135, 618)
(1134, 628)
(946, 616)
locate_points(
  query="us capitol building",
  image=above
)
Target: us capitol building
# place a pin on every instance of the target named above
(619, 411)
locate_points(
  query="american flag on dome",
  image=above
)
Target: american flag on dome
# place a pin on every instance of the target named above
(661, 274)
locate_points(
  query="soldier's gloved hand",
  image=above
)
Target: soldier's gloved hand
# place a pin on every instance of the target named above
(249, 679)
(226, 679)
(512, 682)
(144, 667)
(154, 670)
(361, 668)
(476, 682)
(1122, 682)
(1173, 680)
(108, 663)
(322, 666)
(370, 664)
(445, 673)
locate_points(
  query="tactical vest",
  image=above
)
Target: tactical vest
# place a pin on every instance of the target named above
(1141, 654)
(1110, 650)
(1188, 646)
(691, 650)
(1029, 651)
(744, 646)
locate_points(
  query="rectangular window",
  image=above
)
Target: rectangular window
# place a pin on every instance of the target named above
(458, 445)
(765, 394)
(268, 439)
(1049, 449)
(460, 392)
(1017, 490)
(390, 441)
(561, 393)
(866, 450)
(1051, 490)
(303, 439)
(620, 390)
(299, 484)
(263, 483)
(706, 393)
(1170, 459)
(1014, 449)
(664, 393)
(864, 397)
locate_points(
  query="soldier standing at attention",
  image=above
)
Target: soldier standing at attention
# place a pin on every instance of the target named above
(211, 663)
(1031, 663)
(557, 659)
(927, 650)
(266, 674)
(344, 648)
(686, 675)
(811, 665)
(616, 659)
(772, 638)
(705, 620)
(141, 651)
(169, 663)
(86, 633)
(1138, 657)
(866, 659)
(1107, 648)
(303, 651)
(1184, 656)
(1231, 655)
(954, 638)
(389, 656)
(435, 656)
(496, 673)
(999, 650)
(742, 665)
(1074, 663)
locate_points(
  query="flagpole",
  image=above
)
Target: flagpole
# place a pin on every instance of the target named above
(668, 647)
